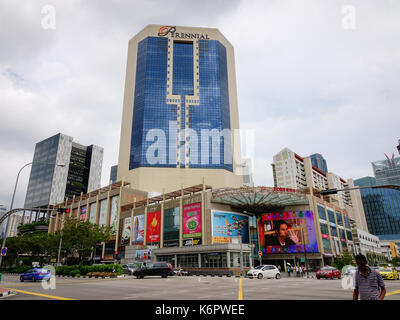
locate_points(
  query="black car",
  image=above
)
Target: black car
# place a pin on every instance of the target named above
(163, 269)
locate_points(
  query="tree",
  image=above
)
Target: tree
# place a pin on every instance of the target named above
(345, 260)
(81, 237)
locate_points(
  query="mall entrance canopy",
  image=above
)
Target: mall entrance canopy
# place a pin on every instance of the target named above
(259, 199)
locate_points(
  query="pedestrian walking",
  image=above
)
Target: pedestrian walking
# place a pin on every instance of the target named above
(297, 271)
(288, 271)
(368, 283)
(303, 270)
(279, 268)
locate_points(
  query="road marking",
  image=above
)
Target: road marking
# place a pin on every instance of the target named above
(240, 295)
(393, 292)
(41, 295)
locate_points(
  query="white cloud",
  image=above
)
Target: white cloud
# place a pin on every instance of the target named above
(314, 86)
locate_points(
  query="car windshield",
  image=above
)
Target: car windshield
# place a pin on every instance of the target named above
(385, 270)
(327, 268)
(259, 267)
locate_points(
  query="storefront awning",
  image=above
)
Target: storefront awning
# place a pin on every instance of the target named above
(259, 199)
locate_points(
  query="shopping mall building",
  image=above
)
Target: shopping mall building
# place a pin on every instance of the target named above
(201, 228)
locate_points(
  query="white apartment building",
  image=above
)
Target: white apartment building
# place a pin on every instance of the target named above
(365, 242)
(15, 222)
(293, 171)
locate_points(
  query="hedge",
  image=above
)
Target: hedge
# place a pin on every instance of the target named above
(84, 270)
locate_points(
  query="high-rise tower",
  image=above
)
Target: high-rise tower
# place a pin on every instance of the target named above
(180, 116)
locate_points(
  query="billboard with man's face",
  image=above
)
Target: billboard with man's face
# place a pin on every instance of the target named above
(287, 232)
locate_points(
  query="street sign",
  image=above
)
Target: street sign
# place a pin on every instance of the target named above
(260, 253)
(4, 251)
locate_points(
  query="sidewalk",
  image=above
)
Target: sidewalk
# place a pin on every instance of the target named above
(293, 275)
(5, 292)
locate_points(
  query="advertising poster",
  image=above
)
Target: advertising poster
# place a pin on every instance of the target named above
(153, 227)
(92, 217)
(192, 220)
(103, 212)
(114, 212)
(82, 215)
(138, 229)
(226, 225)
(284, 232)
(143, 254)
(126, 231)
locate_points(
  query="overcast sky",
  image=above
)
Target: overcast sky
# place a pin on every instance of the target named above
(309, 77)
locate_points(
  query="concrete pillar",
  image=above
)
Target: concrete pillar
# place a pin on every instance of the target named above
(176, 261)
(199, 255)
(228, 259)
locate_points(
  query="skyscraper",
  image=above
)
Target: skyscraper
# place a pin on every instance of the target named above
(180, 110)
(50, 184)
(319, 162)
(382, 209)
(387, 171)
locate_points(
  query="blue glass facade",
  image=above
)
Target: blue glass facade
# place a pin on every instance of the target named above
(153, 113)
(319, 162)
(382, 209)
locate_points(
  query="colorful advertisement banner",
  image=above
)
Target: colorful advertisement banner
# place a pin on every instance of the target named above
(82, 215)
(126, 231)
(284, 232)
(93, 212)
(226, 225)
(103, 212)
(153, 227)
(114, 212)
(192, 220)
(138, 229)
(143, 254)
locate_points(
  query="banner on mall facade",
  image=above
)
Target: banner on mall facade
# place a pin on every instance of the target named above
(114, 212)
(226, 225)
(103, 212)
(153, 227)
(138, 230)
(82, 215)
(126, 231)
(192, 220)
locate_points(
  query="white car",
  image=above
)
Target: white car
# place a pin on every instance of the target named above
(264, 271)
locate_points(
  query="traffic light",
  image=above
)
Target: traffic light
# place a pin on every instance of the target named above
(62, 210)
(238, 260)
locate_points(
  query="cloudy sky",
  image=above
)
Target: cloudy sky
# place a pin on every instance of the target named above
(318, 80)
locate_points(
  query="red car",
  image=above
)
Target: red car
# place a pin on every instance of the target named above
(328, 272)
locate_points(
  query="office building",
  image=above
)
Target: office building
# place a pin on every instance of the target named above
(50, 183)
(247, 168)
(293, 171)
(382, 209)
(16, 220)
(319, 162)
(3, 211)
(113, 174)
(180, 114)
(387, 171)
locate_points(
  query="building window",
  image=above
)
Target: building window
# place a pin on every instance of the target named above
(214, 260)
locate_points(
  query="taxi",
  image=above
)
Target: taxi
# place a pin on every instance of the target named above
(388, 274)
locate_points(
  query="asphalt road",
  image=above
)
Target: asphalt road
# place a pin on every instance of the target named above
(187, 288)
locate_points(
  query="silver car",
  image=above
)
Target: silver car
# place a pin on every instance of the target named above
(129, 269)
(264, 271)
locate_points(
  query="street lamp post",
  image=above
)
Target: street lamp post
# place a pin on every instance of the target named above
(13, 197)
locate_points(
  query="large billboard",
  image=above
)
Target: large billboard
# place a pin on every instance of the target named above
(138, 230)
(192, 220)
(153, 227)
(126, 231)
(287, 232)
(103, 212)
(114, 212)
(226, 225)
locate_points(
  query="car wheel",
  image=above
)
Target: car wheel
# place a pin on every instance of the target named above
(259, 276)
(318, 278)
(340, 277)
(21, 279)
(278, 276)
(34, 279)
